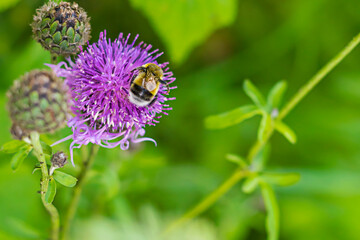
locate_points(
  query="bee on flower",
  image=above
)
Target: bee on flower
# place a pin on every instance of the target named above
(117, 89)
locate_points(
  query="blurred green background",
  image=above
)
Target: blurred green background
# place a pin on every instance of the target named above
(212, 47)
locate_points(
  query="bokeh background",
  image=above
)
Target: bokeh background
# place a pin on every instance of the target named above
(212, 46)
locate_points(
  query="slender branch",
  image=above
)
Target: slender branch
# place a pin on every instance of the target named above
(54, 214)
(318, 77)
(209, 200)
(258, 145)
(256, 148)
(74, 202)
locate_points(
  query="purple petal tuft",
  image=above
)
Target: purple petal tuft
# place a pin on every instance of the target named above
(99, 81)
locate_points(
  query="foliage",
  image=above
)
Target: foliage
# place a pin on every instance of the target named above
(183, 25)
(263, 41)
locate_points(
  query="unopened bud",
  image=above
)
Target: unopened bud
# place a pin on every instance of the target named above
(38, 101)
(61, 27)
(58, 160)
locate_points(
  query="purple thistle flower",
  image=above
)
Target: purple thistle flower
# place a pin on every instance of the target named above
(99, 81)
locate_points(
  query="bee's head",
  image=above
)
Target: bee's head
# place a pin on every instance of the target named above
(155, 70)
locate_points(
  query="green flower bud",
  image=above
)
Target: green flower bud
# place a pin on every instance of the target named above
(61, 27)
(38, 101)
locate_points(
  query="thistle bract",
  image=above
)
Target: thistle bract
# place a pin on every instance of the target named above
(61, 27)
(99, 80)
(38, 101)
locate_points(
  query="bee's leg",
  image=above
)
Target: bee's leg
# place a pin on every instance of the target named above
(166, 84)
(152, 101)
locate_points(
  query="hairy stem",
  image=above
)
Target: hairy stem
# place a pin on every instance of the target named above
(74, 202)
(209, 200)
(54, 214)
(257, 147)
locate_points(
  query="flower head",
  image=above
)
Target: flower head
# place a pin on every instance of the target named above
(61, 27)
(38, 101)
(99, 81)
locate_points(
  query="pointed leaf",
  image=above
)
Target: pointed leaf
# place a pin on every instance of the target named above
(51, 191)
(276, 94)
(198, 18)
(265, 127)
(286, 131)
(46, 148)
(231, 118)
(253, 93)
(237, 159)
(64, 179)
(19, 157)
(281, 179)
(12, 146)
(250, 184)
(272, 209)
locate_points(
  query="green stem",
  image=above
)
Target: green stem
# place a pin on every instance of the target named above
(318, 77)
(209, 200)
(74, 202)
(54, 215)
(258, 145)
(256, 148)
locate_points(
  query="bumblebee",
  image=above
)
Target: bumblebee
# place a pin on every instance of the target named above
(145, 84)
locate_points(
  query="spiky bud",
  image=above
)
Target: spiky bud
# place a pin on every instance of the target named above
(61, 27)
(38, 101)
(58, 160)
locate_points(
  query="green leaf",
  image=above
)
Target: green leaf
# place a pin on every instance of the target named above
(64, 179)
(250, 184)
(36, 169)
(281, 179)
(272, 209)
(237, 159)
(253, 93)
(231, 118)
(183, 25)
(51, 191)
(12, 146)
(265, 127)
(276, 94)
(286, 131)
(19, 157)
(5, 4)
(46, 148)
